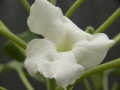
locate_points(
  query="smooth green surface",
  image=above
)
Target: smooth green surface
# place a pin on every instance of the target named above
(116, 39)
(10, 65)
(109, 21)
(15, 51)
(12, 51)
(105, 81)
(115, 86)
(53, 2)
(24, 79)
(12, 37)
(97, 77)
(89, 29)
(48, 84)
(86, 83)
(2, 88)
(26, 5)
(73, 8)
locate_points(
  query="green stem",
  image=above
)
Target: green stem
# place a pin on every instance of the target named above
(26, 5)
(3, 25)
(53, 2)
(48, 84)
(24, 80)
(2, 88)
(94, 78)
(115, 86)
(89, 29)
(116, 39)
(21, 49)
(12, 37)
(73, 8)
(108, 22)
(97, 69)
(105, 81)
(86, 83)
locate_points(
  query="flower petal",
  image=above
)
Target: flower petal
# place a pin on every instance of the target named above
(39, 46)
(74, 33)
(91, 53)
(61, 66)
(35, 49)
(65, 73)
(45, 19)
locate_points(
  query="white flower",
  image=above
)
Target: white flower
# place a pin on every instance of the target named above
(66, 51)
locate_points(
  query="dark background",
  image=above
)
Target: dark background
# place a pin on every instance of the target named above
(90, 13)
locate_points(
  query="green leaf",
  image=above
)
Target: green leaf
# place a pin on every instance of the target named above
(27, 36)
(13, 51)
(16, 52)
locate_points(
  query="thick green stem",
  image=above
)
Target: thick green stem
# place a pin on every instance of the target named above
(86, 83)
(97, 69)
(73, 8)
(26, 5)
(105, 81)
(109, 21)
(116, 39)
(53, 2)
(24, 80)
(12, 37)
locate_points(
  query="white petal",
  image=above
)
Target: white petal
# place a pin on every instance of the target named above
(45, 19)
(61, 66)
(39, 46)
(91, 53)
(74, 33)
(35, 49)
(65, 73)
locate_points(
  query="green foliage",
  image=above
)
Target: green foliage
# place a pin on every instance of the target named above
(38, 77)
(97, 77)
(15, 65)
(27, 36)
(10, 65)
(12, 49)
(117, 71)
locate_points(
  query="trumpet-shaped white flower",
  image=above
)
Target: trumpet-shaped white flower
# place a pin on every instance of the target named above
(66, 51)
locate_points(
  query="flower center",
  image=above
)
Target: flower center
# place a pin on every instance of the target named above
(64, 47)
